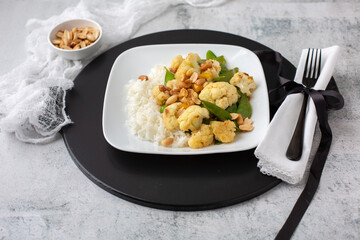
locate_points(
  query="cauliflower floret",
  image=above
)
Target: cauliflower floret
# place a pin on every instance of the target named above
(160, 96)
(202, 137)
(222, 94)
(245, 82)
(169, 117)
(211, 72)
(188, 66)
(223, 131)
(192, 117)
(175, 63)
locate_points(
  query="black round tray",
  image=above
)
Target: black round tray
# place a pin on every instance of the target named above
(183, 183)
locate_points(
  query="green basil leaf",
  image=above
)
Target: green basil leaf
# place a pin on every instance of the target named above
(168, 76)
(210, 55)
(221, 60)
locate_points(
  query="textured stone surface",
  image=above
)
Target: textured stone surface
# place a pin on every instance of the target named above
(43, 195)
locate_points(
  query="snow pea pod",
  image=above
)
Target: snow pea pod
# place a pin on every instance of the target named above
(211, 55)
(220, 113)
(226, 75)
(232, 108)
(244, 107)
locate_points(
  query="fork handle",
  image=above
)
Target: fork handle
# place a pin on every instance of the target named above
(295, 147)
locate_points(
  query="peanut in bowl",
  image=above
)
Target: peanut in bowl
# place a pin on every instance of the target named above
(76, 39)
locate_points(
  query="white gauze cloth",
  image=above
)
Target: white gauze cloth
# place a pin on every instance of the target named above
(271, 151)
(32, 96)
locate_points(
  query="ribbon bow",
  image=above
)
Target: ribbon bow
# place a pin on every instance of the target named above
(324, 100)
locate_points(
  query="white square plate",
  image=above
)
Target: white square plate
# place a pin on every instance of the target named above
(140, 60)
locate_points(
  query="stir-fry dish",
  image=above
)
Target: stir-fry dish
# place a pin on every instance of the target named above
(204, 99)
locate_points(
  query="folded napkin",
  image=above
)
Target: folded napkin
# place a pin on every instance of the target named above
(32, 96)
(271, 151)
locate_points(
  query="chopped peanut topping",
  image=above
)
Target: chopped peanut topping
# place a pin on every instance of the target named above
(205, 66)
(171, 100)
(247, 125)
(167, 142)
(143, 77)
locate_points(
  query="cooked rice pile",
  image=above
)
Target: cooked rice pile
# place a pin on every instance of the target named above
(144, 117)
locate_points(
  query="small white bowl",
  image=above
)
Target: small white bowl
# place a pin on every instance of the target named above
(78, 53)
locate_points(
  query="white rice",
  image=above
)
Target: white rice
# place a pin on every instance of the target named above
(144, 117)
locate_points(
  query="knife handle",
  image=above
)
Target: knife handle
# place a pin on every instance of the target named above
(295, 147)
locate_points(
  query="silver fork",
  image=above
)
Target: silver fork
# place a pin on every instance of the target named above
(310, 76)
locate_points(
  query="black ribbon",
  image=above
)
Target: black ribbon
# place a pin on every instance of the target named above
(324, 101)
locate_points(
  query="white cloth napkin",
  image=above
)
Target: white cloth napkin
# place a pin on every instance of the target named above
(32, 95)
(272, 149)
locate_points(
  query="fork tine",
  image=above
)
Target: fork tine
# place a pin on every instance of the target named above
(306, 63)
(311, 69)
(319, 66)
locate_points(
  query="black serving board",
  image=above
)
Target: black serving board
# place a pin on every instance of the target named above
(185, 183)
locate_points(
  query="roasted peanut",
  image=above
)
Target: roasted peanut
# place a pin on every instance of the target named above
(184, 84)
(162, 88)
(167, 142)
(76, 38)
(60, 34)
(194, 77)
(81, 36)
(172, 84)
(82, 44)
(183, 93)
(175, 91)
(197, 88)
(247, 125)
(189, 72)
(179, 112)
(240, 120)
(171, 100)
(200, 81)
(205, 66)
(234, 116)
(172, 70)
(56, 41)
(143, 77)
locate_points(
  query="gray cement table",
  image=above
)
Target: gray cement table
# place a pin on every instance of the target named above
(43, 195)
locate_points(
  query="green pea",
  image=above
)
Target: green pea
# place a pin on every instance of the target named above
(162, 108)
